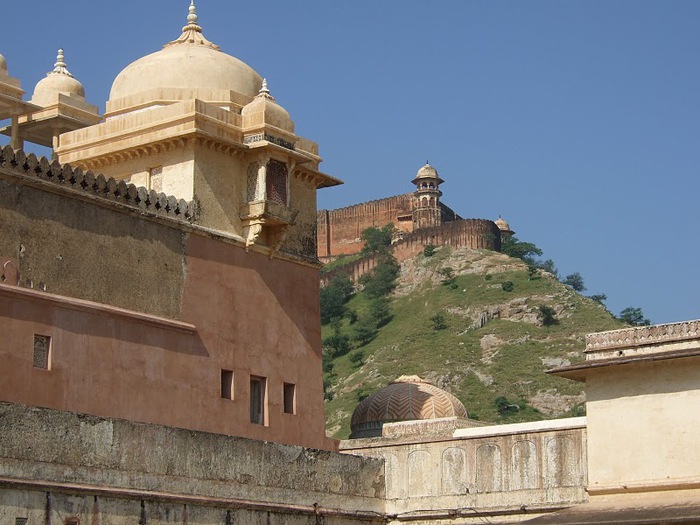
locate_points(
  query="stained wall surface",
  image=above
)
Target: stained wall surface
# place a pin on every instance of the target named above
(504, 472)
(58, 467)
(147, 315)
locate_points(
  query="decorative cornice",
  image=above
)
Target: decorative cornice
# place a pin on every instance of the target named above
(643, 335)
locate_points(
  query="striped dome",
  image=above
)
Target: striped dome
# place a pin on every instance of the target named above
(406, 399)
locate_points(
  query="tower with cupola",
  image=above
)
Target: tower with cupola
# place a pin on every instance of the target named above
(426, 198)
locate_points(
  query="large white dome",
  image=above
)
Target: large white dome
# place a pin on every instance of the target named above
(191, 64)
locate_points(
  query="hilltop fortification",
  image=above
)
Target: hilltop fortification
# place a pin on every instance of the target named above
(340, 230)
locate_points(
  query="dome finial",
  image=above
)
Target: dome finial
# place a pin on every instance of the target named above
(60, 65)
(192, 32)
(192, 19)
(192, 16)
(264, 91)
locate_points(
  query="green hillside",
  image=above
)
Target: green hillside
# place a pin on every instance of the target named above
(470, 336)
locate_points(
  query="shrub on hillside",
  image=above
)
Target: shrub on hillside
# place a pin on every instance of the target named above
(547, 315)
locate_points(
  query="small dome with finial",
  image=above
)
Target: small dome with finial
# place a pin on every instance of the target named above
(503, 226)
(58, 81)
(428, 172)
(266, 104)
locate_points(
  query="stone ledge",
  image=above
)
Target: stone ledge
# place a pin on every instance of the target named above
(91, 307)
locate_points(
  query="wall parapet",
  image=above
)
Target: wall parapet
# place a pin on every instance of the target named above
(64, 175)
(642, 336)
(463, 233)
(89, 456)
(498, 471)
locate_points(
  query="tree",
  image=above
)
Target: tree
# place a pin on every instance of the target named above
(575, 281)
(547, 315)
(364, 331)
(634, 317)
(382, 280)
(336, 345)
(334, 296)
(533, 272)
(599, 298)
(519, 249)
(429, 250)
(548, 266)
(448, 275)
(507, 286)
(377, 239)
(380, 311)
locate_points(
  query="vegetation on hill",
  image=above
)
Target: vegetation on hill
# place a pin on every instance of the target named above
(479, 324)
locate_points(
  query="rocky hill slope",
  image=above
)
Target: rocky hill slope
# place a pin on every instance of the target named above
(470, 322)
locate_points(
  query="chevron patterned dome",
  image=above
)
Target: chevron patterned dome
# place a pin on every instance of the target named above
(406, 399)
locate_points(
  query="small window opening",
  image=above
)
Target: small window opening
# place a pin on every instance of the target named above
(257, 400)
(226, 384)
(290, 398)
(72, 521)
(21, 521)
(42, 352)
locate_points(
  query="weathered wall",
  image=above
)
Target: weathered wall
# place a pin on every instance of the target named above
(463, 233)
(339, 230)
(646, 410)
(500, 473)
(74, 248)
(57, 466)
(235, 312)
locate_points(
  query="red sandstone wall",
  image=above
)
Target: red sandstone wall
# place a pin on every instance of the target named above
(464, 233)
(252, 314)
(339, 230)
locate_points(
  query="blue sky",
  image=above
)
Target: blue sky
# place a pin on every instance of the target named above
(575, 120)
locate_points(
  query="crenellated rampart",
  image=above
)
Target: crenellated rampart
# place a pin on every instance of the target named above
(464, 233)
(96, 185)
(339, 230)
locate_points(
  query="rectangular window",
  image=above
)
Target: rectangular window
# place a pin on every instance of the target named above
(72, 521)
(42, 352)
(257, 399)
(226, 384)
(290, 398)
(21, 521)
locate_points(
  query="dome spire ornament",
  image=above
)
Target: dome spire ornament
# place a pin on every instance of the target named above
(60, 65)
(192, 32)
(264, 91)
